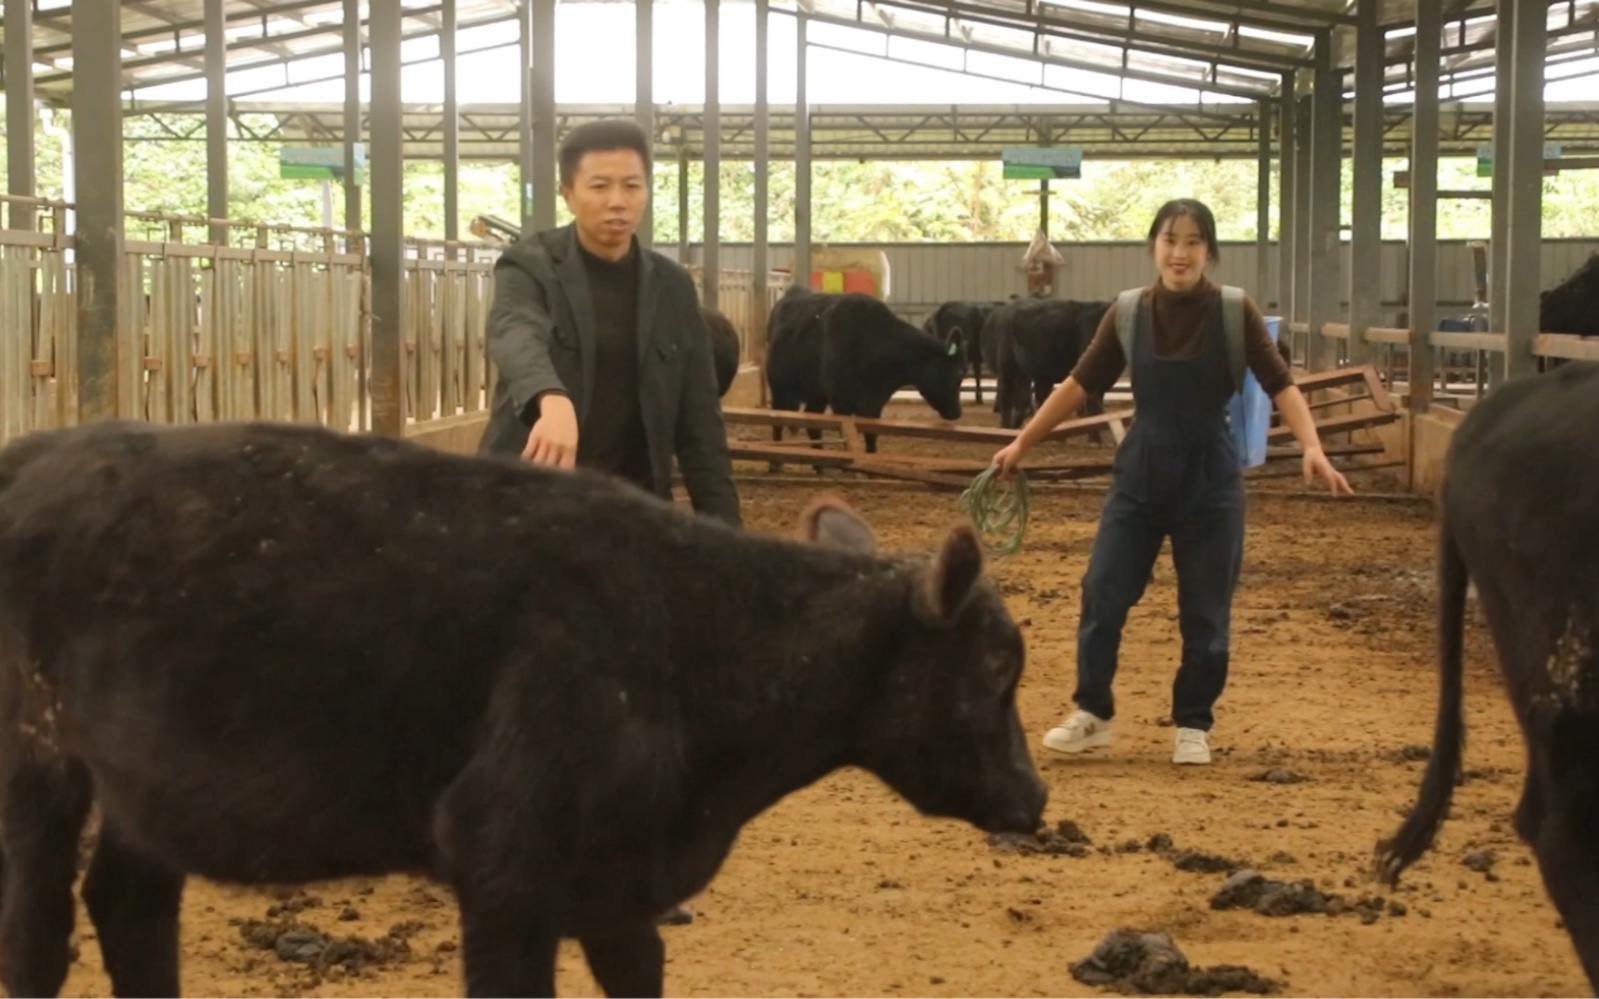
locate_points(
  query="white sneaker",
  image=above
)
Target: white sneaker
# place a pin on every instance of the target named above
(1079, 733)
(1193, 746)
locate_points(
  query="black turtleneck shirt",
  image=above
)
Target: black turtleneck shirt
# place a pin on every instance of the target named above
(613, 439)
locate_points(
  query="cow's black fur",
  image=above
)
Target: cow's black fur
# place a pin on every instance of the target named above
(1039, 342)
(963, 322)
(1520, 519)
(724, 348)
(276, 654)
(1571, 307)
(850, 353)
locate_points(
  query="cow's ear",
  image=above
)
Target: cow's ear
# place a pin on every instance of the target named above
(830, 522)
(950, 579)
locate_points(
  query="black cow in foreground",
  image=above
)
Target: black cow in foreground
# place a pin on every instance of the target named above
(963, 322)
(850, 353)
(1039, 343)
(1519, 517)
(277, 654)
(724, 348)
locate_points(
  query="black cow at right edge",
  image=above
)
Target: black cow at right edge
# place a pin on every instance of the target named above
(1519, 517)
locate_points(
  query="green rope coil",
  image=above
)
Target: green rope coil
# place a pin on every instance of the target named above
(995, 509)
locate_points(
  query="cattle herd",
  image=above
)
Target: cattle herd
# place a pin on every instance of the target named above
(274, 654)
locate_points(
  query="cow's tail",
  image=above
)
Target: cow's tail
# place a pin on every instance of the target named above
(1416, 834)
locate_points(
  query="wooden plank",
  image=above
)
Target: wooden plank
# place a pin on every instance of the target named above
(1335, 331)
(1331, 450)
(1379, 392)
(852, 436)
(1118, 431)
(1332, 379)
(1467, 341)
(1336, 425)
(1565, 345)
(890, 471)
(808, 456)
(912, 428)
(1325, 404)
(1352, 467)
(1388, 334)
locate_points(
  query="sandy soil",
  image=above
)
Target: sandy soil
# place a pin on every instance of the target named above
(843, 889)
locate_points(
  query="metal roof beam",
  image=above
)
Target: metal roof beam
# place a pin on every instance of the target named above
(414, 61)
(931, 133)
(1252, 59)
(1250, 56)
(1195, 111)
(197, 25)
(421, 23)
(1266, 14)
(1064, 62)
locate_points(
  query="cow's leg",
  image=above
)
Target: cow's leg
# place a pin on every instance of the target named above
(628, 961)
(504, 949)
(785, 404)
(871, 409)
(1567, 848)
(1559, 818)
(504, 876)
(46, 805)
(134, 905)
(815, 433)
(977, 379)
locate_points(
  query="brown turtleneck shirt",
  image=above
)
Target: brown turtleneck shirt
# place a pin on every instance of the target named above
(1182, 320)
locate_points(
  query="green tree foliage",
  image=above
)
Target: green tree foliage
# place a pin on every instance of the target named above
(873, 201)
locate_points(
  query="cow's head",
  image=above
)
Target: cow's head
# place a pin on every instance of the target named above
(939, 376)
(943, 729)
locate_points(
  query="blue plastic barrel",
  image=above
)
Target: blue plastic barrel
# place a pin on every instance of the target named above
(1250, 413)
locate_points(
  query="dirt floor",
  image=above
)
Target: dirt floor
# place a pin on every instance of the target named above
(843, 890)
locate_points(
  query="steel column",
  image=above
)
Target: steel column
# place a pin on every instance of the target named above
(1365, 245)
(1287, 200)
(524, 122)
(1498, 249)
(644, 101)
(1263, 204)
(216, 120)
(684, 251)
(760, 265)
(1423, 295)
(802, 159)
(20, 158)
(388, 221)
(711, 155)
(543, 88)
(452, 128)
(352, 112)
(105, 388)
(1523, 264)
(1302, 219)
(1326, 176)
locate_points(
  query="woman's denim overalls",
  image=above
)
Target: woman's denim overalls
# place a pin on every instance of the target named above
(1176, 474)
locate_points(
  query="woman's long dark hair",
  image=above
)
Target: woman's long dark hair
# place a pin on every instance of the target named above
(1194, 209)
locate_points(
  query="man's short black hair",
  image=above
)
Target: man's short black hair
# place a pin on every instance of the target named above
(601, 136)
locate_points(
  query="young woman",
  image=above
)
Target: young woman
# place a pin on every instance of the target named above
(1177, 475)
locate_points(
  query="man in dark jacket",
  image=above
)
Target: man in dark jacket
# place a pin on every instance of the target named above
(603, 356)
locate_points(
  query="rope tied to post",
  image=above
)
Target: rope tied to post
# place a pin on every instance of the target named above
(994, 509)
